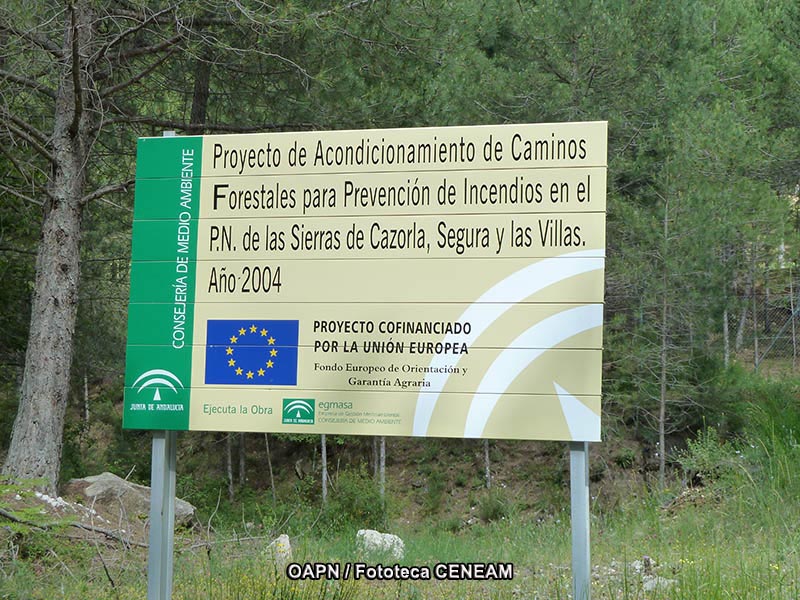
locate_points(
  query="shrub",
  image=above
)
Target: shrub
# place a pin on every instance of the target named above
(356, 501)
(493, 506)
(712, 460)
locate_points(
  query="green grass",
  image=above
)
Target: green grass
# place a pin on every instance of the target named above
(737, 537)
(724, 548)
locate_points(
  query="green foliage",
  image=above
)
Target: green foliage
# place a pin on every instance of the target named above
(435, 490)
(712, 460)
(452, 524)
(762, 457)
(494, 506)
(249, 579)
(773, 427)
(355, 502)
(702, 105)
(625, 458)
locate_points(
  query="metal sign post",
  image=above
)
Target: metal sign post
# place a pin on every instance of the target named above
(579, 503)
(162, 515)
(162, 509)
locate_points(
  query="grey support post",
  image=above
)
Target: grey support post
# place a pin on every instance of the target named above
(162, 515)
(579, 502)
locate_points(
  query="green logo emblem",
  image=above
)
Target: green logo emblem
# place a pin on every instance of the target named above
(298, 411)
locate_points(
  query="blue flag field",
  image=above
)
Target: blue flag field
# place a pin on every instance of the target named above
(251, 352)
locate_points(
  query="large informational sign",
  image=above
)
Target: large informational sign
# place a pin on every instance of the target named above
(418, 282)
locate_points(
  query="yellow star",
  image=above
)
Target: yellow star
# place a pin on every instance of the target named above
(249, 374)
(273, 352)
(263, 333)
(242, 331)
(270, 364)
(234, 339)
(239, 370)
(231, 362)
(261, 372)
(253, 328)
(271, 340)
(229, 351)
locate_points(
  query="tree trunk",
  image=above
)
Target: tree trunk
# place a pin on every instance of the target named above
(740, 328)
(755, 310)
(200, 95)
(269, 466)
(37, 436)
(324, 447)
(487, 465)
(86, 399)
(794, 327)
(242, 450)
(662, 400)
(726, 339)
(375, 459)
(229, 465)
(382, 467)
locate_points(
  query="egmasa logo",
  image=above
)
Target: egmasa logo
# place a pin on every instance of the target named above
(298, 411)
(159, 379)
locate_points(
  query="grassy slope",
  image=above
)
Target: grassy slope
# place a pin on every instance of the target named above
(737, 536)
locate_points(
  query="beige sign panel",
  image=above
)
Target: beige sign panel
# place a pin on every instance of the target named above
(476, 148)
(417, 237)
(418, 282)
(572, 277)
(518, 190)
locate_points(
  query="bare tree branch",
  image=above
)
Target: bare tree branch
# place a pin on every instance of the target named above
(37, 40)
(22, 172)
(350, 6)
(21, 196)
(151, 49)
(30, 139)
(36, 86)
(138, 77)
(108, 189)
(101, 52)
(24, 125)
(17, 250)
(210, 127)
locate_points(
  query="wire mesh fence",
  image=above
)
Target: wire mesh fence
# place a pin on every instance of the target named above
(764, 330)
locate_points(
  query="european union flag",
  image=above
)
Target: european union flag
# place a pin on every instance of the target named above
(251, 352)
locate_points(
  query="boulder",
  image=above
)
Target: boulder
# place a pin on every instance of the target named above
(117, 499)
(653, 583)
(375, 543)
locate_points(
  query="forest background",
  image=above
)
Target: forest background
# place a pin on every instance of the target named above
(703, 103)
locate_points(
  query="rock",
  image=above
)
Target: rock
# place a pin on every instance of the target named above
(371, 542)
(651, 583)
(280, 550)
(118, 499)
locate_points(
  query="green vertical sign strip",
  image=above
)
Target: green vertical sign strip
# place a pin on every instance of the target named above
(161, 312)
